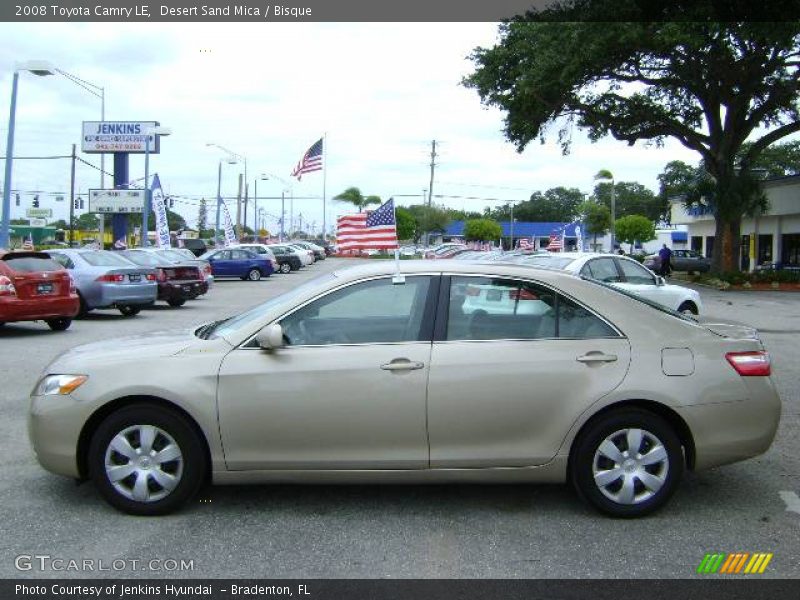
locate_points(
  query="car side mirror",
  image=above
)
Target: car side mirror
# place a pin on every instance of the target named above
(271, 337)
(660, 280)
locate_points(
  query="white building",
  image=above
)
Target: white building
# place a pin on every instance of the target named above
(771, 237)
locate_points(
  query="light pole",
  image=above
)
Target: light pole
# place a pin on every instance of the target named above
(606, 175)
(233, 158)
(283, 199)
(231, 161)
(42, 69)
(255, 201)
(150, 131)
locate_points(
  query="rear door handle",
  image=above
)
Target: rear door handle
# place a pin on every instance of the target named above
(592, 357)
(402, 364)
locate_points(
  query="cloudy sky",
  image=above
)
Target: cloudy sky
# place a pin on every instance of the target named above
(267, 91)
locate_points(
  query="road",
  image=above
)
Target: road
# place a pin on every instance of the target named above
(395, 531)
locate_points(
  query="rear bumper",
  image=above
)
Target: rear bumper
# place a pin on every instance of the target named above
(112, 294)
(15, 309)
(181, 290)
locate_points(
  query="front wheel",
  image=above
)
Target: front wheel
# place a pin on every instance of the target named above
(176, 302)
(254, 275)
(58, 324)
(129, 311)
(146, 460)
(627, 463)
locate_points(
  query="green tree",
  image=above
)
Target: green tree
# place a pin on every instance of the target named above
(633, 228)
(354, 196)
(428, 219)
(87, 221)
(405, 223)
(777, 160)
(482, 230)
(596, 218)
(631, 198)
(695, 75)
(558, 204)
(202, 216)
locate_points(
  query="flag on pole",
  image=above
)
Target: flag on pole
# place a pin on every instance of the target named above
(525, 244)
(230, 234)
(311, 161)
(376, 230)
(578, 238)
(160, 210)
(556, 243)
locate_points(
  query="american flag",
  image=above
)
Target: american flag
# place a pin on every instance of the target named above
(311, 161)
(375, 230)
(525, 244)
(556, 244)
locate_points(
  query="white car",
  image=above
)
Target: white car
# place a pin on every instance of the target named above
(306, 255)
(621, 272)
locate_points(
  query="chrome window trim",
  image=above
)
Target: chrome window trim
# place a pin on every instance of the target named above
(553, 289)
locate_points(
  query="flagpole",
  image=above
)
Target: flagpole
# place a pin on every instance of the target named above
(324, 180)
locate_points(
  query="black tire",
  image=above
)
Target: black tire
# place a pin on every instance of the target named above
(688, 307)
(176, 302)
(129, 311)
(285, 268)
(585, 452)
(190, 470)
(59, 324)
(254, 275)
(84, 308)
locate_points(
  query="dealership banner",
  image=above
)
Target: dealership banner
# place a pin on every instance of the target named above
(160, 210)
(230, 234)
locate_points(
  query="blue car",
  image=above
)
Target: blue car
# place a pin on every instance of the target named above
(238, 262)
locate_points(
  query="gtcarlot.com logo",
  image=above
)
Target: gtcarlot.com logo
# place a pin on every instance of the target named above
(738, 563)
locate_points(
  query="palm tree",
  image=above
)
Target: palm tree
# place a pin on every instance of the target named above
(354, 196)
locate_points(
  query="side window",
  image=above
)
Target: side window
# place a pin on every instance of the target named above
(63, 260)
(636, 273)
(223, 255)
(483, 308)
(602, 269)
(574, 321)
(371, 312)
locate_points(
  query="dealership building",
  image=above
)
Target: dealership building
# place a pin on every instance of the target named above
(771, 237)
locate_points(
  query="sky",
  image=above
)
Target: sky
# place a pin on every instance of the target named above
(267, 91)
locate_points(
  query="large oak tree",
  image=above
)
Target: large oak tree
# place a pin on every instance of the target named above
(694, 75)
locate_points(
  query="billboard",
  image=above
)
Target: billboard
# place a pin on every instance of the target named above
(116, 201)
(118, 136)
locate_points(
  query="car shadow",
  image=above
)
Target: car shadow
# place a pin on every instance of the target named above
(25, 329)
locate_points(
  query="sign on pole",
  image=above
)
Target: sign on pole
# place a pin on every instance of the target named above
(39, 213)
(118, 136)
(116, 201)
(37, 222)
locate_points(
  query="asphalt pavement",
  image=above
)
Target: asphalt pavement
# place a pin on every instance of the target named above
(437, 531)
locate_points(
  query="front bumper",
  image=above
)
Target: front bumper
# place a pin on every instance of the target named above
(54, 427)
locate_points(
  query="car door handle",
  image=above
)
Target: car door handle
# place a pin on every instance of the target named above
(402, 364)
(592, 357)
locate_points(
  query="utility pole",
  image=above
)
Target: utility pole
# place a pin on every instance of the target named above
(246, 190)
(239, 207)
(72, 198)
(300, 228)
(430, 194)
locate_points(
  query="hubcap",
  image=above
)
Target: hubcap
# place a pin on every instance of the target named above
(144, 463)
(630, 466)
(253, 275)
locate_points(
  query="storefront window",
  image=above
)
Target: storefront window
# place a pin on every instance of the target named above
(791, 250)
(764, 248)
(709, 246)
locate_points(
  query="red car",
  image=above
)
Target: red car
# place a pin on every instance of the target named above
(33, 287)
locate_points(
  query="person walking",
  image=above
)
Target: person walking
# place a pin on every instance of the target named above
(665, 256)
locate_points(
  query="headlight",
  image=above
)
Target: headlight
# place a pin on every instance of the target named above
(55, 385)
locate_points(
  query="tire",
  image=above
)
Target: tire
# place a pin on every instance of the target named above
(84, 308)
(254, 275)
(627, 495)
(185, 471)
(176, 302)
(61, 324)
(129, 311)
(285, 268)
(688, 308)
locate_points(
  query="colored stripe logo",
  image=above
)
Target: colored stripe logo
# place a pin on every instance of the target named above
(735, 563)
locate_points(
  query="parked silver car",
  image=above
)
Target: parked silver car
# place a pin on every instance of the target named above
(106, 280)
(367, 375)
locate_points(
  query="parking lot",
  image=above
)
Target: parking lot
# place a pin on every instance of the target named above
(396, 531)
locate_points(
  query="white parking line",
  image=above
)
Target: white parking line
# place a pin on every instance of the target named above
(792, 501)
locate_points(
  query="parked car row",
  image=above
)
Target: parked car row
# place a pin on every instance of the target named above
(252, 261)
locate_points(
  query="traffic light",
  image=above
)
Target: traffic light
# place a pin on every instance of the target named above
(36, 201)
(77, 203)
(17, 199)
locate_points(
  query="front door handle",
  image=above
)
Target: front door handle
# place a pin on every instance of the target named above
(593, 357)
(402, 364)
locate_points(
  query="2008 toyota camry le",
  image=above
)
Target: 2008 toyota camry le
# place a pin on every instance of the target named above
(370, 374)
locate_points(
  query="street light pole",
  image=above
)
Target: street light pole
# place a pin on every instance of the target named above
(219, 204)
(153, 131)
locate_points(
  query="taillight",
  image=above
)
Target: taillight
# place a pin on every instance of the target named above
(72, 288)
(162, 274)
(111, 278)
(150, 276)
(6, 287)
(207, 269)
(750, 364)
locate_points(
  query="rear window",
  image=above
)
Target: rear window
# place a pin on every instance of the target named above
(143, 258)
(31, 264)
(104, 258)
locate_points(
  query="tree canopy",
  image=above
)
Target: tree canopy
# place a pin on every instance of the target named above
(694, 75)
(634, 228)
(482, 230)
(354, 196)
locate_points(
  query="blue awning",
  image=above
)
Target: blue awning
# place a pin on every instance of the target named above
(679, 236)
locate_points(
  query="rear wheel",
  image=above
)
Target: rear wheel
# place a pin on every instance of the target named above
(285, 268)
(58, 324)
(84, 308)
(176, 302)
(129, 311)
(627, 463)
(146, 460)
(254, 275)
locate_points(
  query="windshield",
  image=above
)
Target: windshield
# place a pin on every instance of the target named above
(257, 313)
